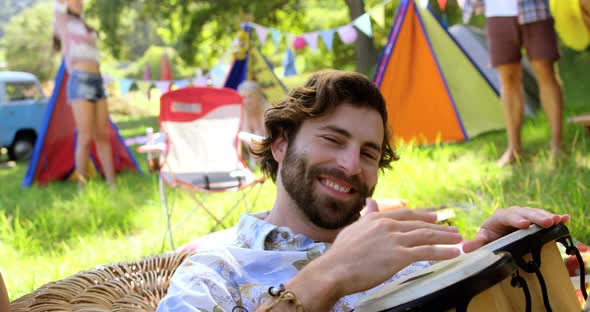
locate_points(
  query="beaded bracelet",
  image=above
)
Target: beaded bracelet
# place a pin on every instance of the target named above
(284, 295)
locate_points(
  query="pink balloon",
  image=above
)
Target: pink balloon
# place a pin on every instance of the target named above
(299, 43)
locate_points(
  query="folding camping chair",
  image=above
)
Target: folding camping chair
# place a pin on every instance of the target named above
(201, 127)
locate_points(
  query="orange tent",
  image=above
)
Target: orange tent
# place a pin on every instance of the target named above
(434, 92)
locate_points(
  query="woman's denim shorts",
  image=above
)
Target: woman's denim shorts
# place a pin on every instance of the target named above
(85, 86)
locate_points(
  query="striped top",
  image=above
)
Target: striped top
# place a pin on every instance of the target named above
(78, 43)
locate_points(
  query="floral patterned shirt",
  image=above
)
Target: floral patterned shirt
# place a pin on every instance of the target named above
(239, 275)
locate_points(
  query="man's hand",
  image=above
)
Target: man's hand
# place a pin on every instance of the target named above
(371, 250)
(505, 221)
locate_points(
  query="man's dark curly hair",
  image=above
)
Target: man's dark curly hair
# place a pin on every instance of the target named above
(319, 96)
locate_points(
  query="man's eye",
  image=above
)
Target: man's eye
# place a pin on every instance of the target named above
(330, 139)
(370, 155)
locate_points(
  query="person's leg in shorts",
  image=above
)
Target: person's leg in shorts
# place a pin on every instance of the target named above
(103, 140)
(505, 42)
(540, 42)
(85, 93)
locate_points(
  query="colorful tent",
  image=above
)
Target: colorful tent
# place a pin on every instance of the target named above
(434, 92)
(253, 65)
(475, 44)
(53, 156)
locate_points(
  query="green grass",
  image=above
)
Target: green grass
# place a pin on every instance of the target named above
(51, 232)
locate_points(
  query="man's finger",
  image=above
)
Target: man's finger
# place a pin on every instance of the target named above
(409, 226)
(410, 215)
(370, 205)
(429, 237)
(432, 253)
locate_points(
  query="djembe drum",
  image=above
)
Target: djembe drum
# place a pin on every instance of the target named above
(540, 264)
(467, 283)
(522, 271)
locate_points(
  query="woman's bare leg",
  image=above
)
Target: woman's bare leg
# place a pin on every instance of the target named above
(84, 117)
(513, 108)
(103, 141)
(551, 99)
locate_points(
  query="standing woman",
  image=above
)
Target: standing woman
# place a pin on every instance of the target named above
(85, 89)
(512, 25)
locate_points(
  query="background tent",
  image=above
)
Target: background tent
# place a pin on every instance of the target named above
(255, 66)
(53, 156)
(433, 90)
(474, 42)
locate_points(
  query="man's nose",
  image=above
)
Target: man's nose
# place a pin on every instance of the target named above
(349, 160)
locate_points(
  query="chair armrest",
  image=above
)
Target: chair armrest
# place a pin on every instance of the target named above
(157, 144)
(151, 148)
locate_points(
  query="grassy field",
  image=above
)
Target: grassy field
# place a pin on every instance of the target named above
(51, 232)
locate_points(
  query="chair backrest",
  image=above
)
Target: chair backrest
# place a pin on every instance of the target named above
(124, 286)
(201, 127)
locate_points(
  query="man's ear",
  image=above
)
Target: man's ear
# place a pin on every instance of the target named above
(279, 147)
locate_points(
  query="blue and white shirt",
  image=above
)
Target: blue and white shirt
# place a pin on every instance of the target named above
(263, 255)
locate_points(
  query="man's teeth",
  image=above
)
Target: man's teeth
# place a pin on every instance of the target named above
(335, 186)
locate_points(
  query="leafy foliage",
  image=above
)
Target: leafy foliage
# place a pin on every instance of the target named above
(27, 41)
(9, 8)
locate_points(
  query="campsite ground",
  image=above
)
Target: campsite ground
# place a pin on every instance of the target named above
(51, 232)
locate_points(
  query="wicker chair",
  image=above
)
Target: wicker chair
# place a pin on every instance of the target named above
(125, 286)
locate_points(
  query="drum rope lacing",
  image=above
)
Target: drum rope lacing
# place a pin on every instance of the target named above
(518, 281)
(571, 249)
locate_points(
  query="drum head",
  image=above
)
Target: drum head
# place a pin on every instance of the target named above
(521, 242)
(442, 286)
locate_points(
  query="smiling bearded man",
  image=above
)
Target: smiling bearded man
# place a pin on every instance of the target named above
(313, 252)
(299, 179)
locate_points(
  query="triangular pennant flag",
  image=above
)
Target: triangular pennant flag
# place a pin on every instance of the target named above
(262, 33)
(200, 81)
(363, 23)
(328, 38)
(144, 86)
(162, 85)
(378, 14)
(125, 85)
(181, 83)
(289, 63)
(442, 4)
(146, 72)
(312, 40)
(347, 33)
(276, 36)
(289, 37)
(107, 79)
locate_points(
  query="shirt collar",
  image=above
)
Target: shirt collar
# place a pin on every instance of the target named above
(255, 233)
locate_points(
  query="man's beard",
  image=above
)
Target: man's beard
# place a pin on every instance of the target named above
(299, 179)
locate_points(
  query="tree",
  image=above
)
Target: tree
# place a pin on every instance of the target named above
(9, 8)
(365, 52)
(198, 30)
(27, 41)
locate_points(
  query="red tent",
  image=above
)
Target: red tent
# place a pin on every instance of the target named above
(53, 157)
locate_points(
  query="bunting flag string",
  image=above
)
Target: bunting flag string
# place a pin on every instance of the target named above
(347, 33)
(144, 86)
